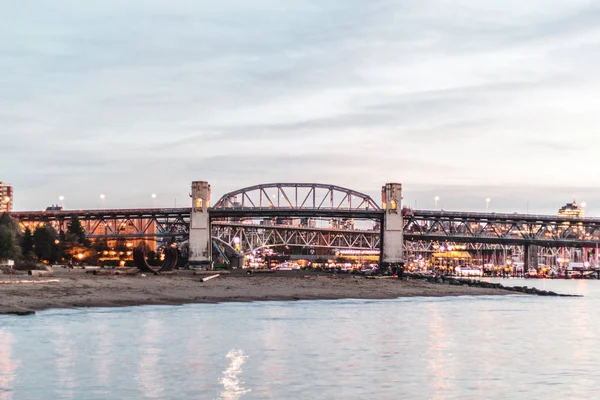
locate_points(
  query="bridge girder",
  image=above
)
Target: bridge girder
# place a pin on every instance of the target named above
(254, 237)
(546, 231)
(297, 196)
(432, 226)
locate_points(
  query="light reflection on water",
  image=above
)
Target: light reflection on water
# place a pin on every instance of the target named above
(64, 362)
(232, 386)
(7, 365)
(149, 374)
(418, 348)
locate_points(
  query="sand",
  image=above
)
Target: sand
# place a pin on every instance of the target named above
(75, 288)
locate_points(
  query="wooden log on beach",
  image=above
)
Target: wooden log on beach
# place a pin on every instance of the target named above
(36, 272)
(103, 272)
(208, 278)
(166, 273)
(114, 272)
(211, 272)
(128, 272)
(25, 281)
(261, 271)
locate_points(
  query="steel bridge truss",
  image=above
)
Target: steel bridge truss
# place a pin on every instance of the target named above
(163, 224)
(419, 226)
(515, 229)
(250, 237)
(297, 196)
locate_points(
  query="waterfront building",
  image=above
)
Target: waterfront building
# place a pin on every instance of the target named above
(6, 197)
(342, 223)
(572, 210)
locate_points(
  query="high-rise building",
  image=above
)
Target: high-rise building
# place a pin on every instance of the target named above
(6, 197)
(572, 210)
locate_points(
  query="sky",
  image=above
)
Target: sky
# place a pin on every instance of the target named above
(462, 99)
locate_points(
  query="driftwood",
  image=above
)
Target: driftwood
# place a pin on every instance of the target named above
(36, 272)
(211, 272)
(381, 277)
(261, 271)
(208, 278)
(33, 282)
(166, 273)
(115, 272)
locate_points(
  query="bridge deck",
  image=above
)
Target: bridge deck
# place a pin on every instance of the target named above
(420, 225)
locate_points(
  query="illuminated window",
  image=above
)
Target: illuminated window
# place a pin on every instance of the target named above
(198, 203)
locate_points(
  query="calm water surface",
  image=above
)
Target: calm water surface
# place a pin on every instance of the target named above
(447, 348)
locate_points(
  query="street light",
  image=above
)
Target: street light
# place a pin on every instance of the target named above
(102, 197)
(154, 200)
(62, 201)
(487, 204)
(436, 199)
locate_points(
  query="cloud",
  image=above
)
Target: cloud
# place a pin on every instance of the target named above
(140, 97)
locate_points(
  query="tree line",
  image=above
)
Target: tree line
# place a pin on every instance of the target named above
(44, 244)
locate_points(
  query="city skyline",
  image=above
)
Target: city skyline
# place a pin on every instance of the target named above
(141, 99)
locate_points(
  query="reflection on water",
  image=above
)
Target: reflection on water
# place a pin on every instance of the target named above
(101, 355)
(436, 350)
(64, 361)
(7, 365)
(149, 371)
(418, 348)
(232, 386)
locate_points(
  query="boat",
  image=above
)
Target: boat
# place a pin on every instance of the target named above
(531, 273)
(469, 271)
(286, 266)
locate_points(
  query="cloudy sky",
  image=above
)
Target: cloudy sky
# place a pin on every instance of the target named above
(463, 100)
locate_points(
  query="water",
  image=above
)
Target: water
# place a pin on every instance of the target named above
(420, 348)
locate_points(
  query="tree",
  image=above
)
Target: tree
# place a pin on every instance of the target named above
(45, 244)
(9, 244)
(27, 244)
(75, 230)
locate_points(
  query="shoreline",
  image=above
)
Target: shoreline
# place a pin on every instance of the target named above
(76, 289)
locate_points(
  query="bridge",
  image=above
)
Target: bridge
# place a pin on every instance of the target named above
(240, 216)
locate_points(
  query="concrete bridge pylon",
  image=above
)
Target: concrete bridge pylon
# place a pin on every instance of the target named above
(392, 229)
(200, 253)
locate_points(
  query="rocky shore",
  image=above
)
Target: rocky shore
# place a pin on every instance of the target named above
(449, 280)
(24, 294)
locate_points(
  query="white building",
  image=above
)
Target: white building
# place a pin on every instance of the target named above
(6, 197)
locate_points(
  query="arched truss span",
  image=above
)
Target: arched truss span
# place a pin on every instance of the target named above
(297, 196)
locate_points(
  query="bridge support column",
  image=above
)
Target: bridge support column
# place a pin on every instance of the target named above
(200, 235)
(392, 238)
(530, 257)
(525, 260)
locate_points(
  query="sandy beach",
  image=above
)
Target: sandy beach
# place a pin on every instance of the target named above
(76, 288)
